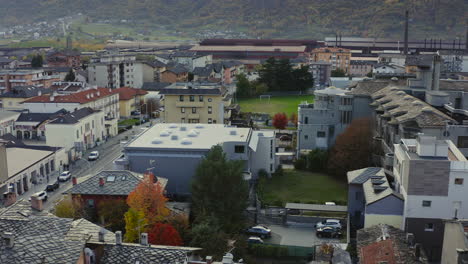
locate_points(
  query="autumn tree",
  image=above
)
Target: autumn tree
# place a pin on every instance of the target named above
(280, 121)
(219, 190)
(164, 234)
(352, 149)
(181, 223)
(149, 199)
(293, 118)
(69, 208)
(135, 224)
(112, 214)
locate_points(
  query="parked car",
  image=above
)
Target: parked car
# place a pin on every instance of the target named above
(41, 195)
(254, 240)
(294, 212)
(285, 138)
(330, 203)
(328, 231)
(259, 230)
(329, 222)
(64, 176)
(94, 155)
(52, 187)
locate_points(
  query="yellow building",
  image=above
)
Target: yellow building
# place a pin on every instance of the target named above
(202, 105)
(131, 100)
(339, 58)
(13, 100)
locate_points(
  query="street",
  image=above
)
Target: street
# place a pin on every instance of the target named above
(108, 152)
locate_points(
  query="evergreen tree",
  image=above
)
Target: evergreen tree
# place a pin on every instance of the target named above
(70, 77)
(37, 61)
(243, 86)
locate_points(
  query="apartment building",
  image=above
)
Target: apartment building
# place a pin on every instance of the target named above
(66, 58)
(192, 59)
(114, 71)
(76, 131)
(431, 175)
(131, 100)
(196, 105)
(321, 71)
(166, 146)
(103, 99)
(361, 68)
(13, 100)
(339, 58)
(321, 122)
(25, 77)
(177, 73)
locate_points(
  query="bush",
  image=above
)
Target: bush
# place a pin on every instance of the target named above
(300, 163)
(260, 250)
(262, 173)
(339, 202)
(278, 203)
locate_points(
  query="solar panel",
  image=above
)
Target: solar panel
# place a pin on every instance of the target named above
(377, 181)
(378, 189)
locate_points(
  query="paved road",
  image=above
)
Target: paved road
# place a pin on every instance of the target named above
(108, 152)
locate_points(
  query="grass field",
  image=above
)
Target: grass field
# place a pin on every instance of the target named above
(277, 104)
(303, 187)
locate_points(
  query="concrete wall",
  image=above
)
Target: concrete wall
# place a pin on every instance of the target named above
(454, 238)
(361, 107)
(431, 240)
(264, 156)
(375, 219)
(389, 205)
(13, 103)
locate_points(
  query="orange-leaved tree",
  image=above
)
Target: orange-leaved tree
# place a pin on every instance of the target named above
(293, 118)
(148, 198)
(164, 234)
(280, 120)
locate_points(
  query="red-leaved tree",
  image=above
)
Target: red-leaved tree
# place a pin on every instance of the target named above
(280, 120)
(164, 234)
(149, 199)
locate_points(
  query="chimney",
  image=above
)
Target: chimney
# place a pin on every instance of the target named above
(101, 181)
(144, 239)
(101, 235)
(436, 72)
(9, 239)
(209, 259)
(36, 203)
(462, 255)
(74, 180)
(405, 51)
(10, 198)
(118, 238)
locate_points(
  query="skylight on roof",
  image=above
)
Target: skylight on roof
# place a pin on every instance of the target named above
(124, 178)
(110, 178)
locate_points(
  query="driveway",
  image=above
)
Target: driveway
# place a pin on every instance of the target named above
(296, 235)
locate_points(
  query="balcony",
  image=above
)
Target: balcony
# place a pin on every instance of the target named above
(455, 110)
(193, 116)
(189, 104)
(18, 80)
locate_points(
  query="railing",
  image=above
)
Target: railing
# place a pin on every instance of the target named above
(455, 110)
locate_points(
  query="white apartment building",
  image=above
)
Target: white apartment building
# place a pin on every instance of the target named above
(432, 176)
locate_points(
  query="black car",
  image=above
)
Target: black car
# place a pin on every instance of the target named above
(328, 231)
(52, 187)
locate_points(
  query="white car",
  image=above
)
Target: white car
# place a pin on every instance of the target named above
(41, 195)
(254, 240)
(64, 176)
(329, 222)
(94, 155)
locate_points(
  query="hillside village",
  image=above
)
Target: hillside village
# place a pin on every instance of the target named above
(234, 150)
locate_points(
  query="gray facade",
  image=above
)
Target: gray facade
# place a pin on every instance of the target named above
(321, 71)
(428, 177)
(320, 123)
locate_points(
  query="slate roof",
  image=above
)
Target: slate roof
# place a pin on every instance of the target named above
(75, 117)
(198, 91)
(362, 175)
(130, 253)
(177, 69)
(405, 108)
(156, 64)
(368, 87)
(123, 184)
(39, 240)
(191, 54)
(25, 92)
(5, 60)
(154, 86)
(39, 117)
(127, 93)
(203, 71)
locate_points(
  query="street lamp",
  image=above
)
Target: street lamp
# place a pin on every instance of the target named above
(146, 111)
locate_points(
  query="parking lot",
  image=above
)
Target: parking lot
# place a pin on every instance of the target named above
(296, 235)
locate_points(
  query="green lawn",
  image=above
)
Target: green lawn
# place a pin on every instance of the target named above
(128, 122)
(303, 187)
(277, 104)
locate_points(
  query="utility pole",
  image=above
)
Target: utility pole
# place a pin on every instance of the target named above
(405, 51)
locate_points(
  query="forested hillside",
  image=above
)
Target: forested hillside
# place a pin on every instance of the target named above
(263, 18)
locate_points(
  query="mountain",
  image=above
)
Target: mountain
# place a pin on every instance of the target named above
(262, 18)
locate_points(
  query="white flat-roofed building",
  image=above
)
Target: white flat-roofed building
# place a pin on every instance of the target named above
(174, 150)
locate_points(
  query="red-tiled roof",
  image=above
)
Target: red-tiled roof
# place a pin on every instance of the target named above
(80, 97)
(127, 93)
(378, 252)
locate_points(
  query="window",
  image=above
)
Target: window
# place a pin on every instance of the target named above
(182, 110)
(182, 120)
(306, 120)
(210, 120)
(210, 110)
(194, 110)
(426, 203)
(200, 98)
(239, 149)
(192, 98)
(181, 98)
(91, 203)
(209, 99)
(320, 134)
(462, 142)
(77, 134)
(429, 227)
(306, 137)
(459, 181)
